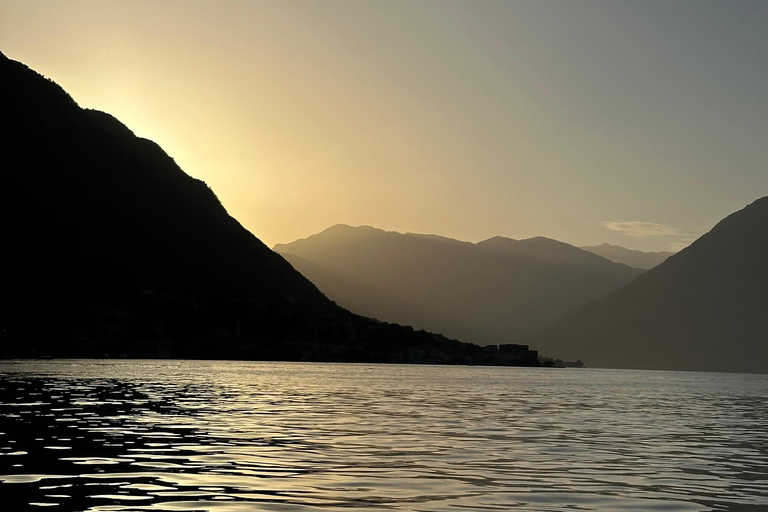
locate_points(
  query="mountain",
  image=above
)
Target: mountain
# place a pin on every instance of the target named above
(108, 247)
(705, 308)
(629, 257)
(496, 291)
(100, 223)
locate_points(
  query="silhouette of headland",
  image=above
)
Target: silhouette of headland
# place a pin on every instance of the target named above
(109, 248)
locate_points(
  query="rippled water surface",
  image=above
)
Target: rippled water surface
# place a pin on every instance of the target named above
(233, 436)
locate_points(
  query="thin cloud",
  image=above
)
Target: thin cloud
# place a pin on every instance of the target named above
(637, 229)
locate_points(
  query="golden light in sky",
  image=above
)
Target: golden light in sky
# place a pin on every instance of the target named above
(465, 119)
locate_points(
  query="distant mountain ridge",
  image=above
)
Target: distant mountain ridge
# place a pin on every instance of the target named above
(496, 291)
(630, 257)
(704, 308)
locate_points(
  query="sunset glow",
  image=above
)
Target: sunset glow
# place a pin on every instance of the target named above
(467, 119)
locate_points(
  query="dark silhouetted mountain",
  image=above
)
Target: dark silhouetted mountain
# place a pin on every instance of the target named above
(704, 308)
(495, 291)
(629, 257)
(109, 247)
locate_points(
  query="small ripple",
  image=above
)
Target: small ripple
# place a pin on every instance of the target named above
(239, 436)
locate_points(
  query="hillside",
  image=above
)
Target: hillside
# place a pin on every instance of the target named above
(109, 248)
(705, 308)
(629, 257)
(496, 291)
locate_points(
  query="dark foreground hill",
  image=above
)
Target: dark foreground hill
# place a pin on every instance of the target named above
(496, 291)
(630, 257)
(705, 308)
(108, 247)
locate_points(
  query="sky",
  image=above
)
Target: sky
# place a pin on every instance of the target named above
(637, 123)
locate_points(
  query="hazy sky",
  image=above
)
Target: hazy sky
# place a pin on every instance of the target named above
(635, 123)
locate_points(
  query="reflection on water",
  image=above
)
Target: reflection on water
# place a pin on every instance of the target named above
(230, 436)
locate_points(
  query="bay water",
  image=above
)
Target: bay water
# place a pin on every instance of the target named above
(127, 435)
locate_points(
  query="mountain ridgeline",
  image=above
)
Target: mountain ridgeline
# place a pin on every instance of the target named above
(496, 291)
(705, 308)
(110, 248)
(632, 258)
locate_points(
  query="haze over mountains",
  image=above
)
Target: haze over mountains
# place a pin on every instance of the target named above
(110, 248)
(705, 308)
(496, 291)
(632, 258)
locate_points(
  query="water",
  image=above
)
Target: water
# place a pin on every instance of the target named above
(234, 436)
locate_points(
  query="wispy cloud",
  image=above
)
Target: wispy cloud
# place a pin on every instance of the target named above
(674, 239)
(637, 229)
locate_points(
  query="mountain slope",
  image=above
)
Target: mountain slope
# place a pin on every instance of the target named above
(110, 248)
(496, 291)
(93, 217)
(629, 257)
(705, 308)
